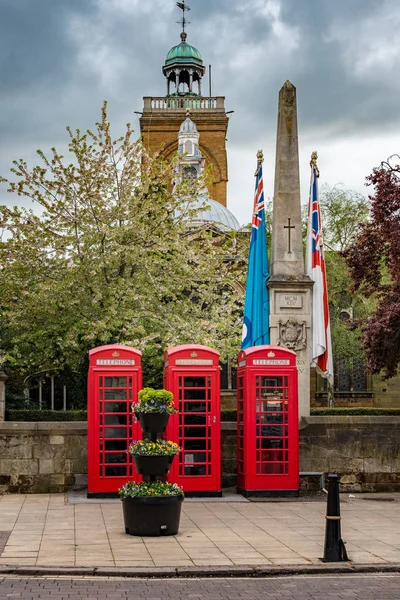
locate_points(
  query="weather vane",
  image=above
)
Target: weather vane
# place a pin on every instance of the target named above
(184, 8)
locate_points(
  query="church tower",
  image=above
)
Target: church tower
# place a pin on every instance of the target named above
(162, 116)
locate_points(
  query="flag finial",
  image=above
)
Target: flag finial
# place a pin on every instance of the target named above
(313, 162)
(260, 160)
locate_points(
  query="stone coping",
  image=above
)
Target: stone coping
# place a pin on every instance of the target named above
(346, 420)
(43, 427)
(80, 427)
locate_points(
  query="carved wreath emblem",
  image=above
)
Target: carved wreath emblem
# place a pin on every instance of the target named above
(292, 334)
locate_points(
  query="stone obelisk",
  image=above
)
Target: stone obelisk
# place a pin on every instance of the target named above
(289, 287)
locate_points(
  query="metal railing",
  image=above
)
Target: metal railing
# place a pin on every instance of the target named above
(152, 103)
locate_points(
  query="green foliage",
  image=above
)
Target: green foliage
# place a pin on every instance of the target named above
(228, 415)
(158, 448)
(109, 257)
(45, 415)
(315, 412)
(149, 489)
(155, 401)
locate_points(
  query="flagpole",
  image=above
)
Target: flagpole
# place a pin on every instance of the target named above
(321, 346)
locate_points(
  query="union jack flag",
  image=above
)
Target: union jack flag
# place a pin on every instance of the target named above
(256, 307)
(321, 348)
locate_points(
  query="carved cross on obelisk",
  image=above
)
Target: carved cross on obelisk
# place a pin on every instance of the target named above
(289, 227)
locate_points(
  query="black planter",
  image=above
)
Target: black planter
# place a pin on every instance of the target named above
(152, 516)
(152, 422)
(153, 465)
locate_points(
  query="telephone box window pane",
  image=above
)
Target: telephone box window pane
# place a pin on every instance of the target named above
(272, 406)
(115, 445)
(115, 382)
(272, 419)
(195, 382)
(116, 457)
(116, 420)
(194, 444)
(194, 407)
(195, 470)
(270, 381)
(111, 407)
(272, 469)
(271, 443)
(101, 394)
(115, 394)
(116, 471)
(195, 394)
(195, 419)
(115, 432)
(194, 457)
(191, 432)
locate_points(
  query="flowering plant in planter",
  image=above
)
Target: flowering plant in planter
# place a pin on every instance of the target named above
(149, 489)
(154, 401)
(158, 448)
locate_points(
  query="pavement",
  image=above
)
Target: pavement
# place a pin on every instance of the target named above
(58, 533)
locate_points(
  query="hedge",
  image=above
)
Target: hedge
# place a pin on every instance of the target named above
(46, 415)
(226, 415)
(333, 412)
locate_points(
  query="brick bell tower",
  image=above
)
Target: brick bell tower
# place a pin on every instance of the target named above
(162, 115)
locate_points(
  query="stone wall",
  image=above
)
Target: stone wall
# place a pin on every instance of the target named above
(364, 451)
(41, 457)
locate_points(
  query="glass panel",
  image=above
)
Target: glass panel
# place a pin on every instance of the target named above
(115, 444)
(195, 419)
(110, 407)
(115, 432)
(194, 407)
(272, 455)
(116, 419)
(195, 382)
(272, 469)
(272, 419)
(114, 457)
(271, 443)
(272, 405)
(269, 381)
(101, 394)
(115, 394)
(195, 470)
(195, 394)
(194, 457)
(114, 382)
(194, 444)
(190, 432)
(116, 471)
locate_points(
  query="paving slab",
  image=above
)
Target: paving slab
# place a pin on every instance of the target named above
(57, 530)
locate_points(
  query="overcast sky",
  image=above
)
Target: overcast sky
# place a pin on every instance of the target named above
(59, 59)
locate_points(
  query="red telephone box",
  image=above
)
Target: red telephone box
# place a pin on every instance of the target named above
(268, 434)
(115, 377)
(192, 374)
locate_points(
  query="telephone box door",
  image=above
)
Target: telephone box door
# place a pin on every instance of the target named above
(114, 381)
(268, 446)
(196, 427)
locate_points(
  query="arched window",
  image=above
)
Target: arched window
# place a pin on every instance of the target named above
(188, 147)
(189, 173)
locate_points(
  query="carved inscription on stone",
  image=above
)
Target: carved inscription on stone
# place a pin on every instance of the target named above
(290, 301)
(292, 334)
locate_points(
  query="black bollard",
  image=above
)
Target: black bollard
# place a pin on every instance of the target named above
(334, 550)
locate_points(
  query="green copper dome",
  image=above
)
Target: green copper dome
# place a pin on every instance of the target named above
(183, 53)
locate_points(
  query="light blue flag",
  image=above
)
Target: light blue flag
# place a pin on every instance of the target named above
(256, 306)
